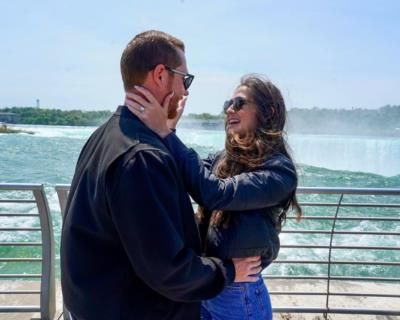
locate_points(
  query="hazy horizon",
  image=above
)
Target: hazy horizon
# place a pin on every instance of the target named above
(187, 113)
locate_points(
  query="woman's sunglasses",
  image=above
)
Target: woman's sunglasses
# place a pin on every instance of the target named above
(187, 77)
(237, 104)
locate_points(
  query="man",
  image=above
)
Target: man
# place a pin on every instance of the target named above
(130, 247)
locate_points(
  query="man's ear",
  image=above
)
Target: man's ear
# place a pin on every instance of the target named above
(160, 75)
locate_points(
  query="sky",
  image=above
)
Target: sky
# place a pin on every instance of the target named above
(320, 53)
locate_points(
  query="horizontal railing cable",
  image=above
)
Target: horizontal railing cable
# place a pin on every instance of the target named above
(339, 198)
(16, 195)
(310, 246)
(373, 225)
(21, 244)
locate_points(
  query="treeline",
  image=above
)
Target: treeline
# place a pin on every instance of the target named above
(29, 115)
(204, 116)
(382, 121)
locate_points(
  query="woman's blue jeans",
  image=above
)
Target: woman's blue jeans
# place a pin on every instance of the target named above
(239, 301)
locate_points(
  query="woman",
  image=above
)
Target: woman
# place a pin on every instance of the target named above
(243, 192)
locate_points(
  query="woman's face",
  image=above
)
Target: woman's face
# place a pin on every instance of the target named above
(240, 113)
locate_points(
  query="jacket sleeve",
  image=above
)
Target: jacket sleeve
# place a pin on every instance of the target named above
(265, 187)
(143, 200)
(207, 162)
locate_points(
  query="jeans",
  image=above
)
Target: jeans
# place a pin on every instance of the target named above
(239, 301)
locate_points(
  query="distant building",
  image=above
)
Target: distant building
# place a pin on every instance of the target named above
(9, 117)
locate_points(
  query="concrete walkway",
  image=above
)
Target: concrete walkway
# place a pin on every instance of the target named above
(273, 285)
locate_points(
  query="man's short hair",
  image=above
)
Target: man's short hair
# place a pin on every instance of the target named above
(144, 52)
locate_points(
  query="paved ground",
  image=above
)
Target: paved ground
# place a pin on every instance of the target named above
(334, 301)
(273, 285)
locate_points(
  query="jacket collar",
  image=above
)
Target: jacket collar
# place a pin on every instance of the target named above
(141, 129)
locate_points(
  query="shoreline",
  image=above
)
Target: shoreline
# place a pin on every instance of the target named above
(4, 128)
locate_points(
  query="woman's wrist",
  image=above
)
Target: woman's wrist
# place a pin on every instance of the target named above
(164, 132)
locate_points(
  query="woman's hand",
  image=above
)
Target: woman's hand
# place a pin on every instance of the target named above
(149, 110)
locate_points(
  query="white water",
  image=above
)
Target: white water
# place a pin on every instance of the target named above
(379, 155)
(50, 154)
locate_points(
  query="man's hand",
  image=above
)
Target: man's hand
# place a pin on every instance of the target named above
(247, 269)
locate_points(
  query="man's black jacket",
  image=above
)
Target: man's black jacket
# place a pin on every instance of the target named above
(130, 246)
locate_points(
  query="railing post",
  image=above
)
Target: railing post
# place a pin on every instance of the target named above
(62, 193)
(330, 257)
(47, 290)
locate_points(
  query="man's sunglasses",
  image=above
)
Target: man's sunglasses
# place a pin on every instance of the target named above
(187, 77)
(237, 104)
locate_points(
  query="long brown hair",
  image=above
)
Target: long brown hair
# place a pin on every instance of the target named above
(246, 153)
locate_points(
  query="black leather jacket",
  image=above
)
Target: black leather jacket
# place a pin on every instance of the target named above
(130, 247)
(254, 199)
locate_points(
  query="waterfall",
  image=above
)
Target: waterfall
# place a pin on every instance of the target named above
(380, 155)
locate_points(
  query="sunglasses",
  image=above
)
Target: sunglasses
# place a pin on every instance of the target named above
(237, 104)
(187, 77)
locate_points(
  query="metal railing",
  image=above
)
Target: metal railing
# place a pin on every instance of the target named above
(62, 194)
(11, 196)
(332, 233)
(337, 217)
(342, 218)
